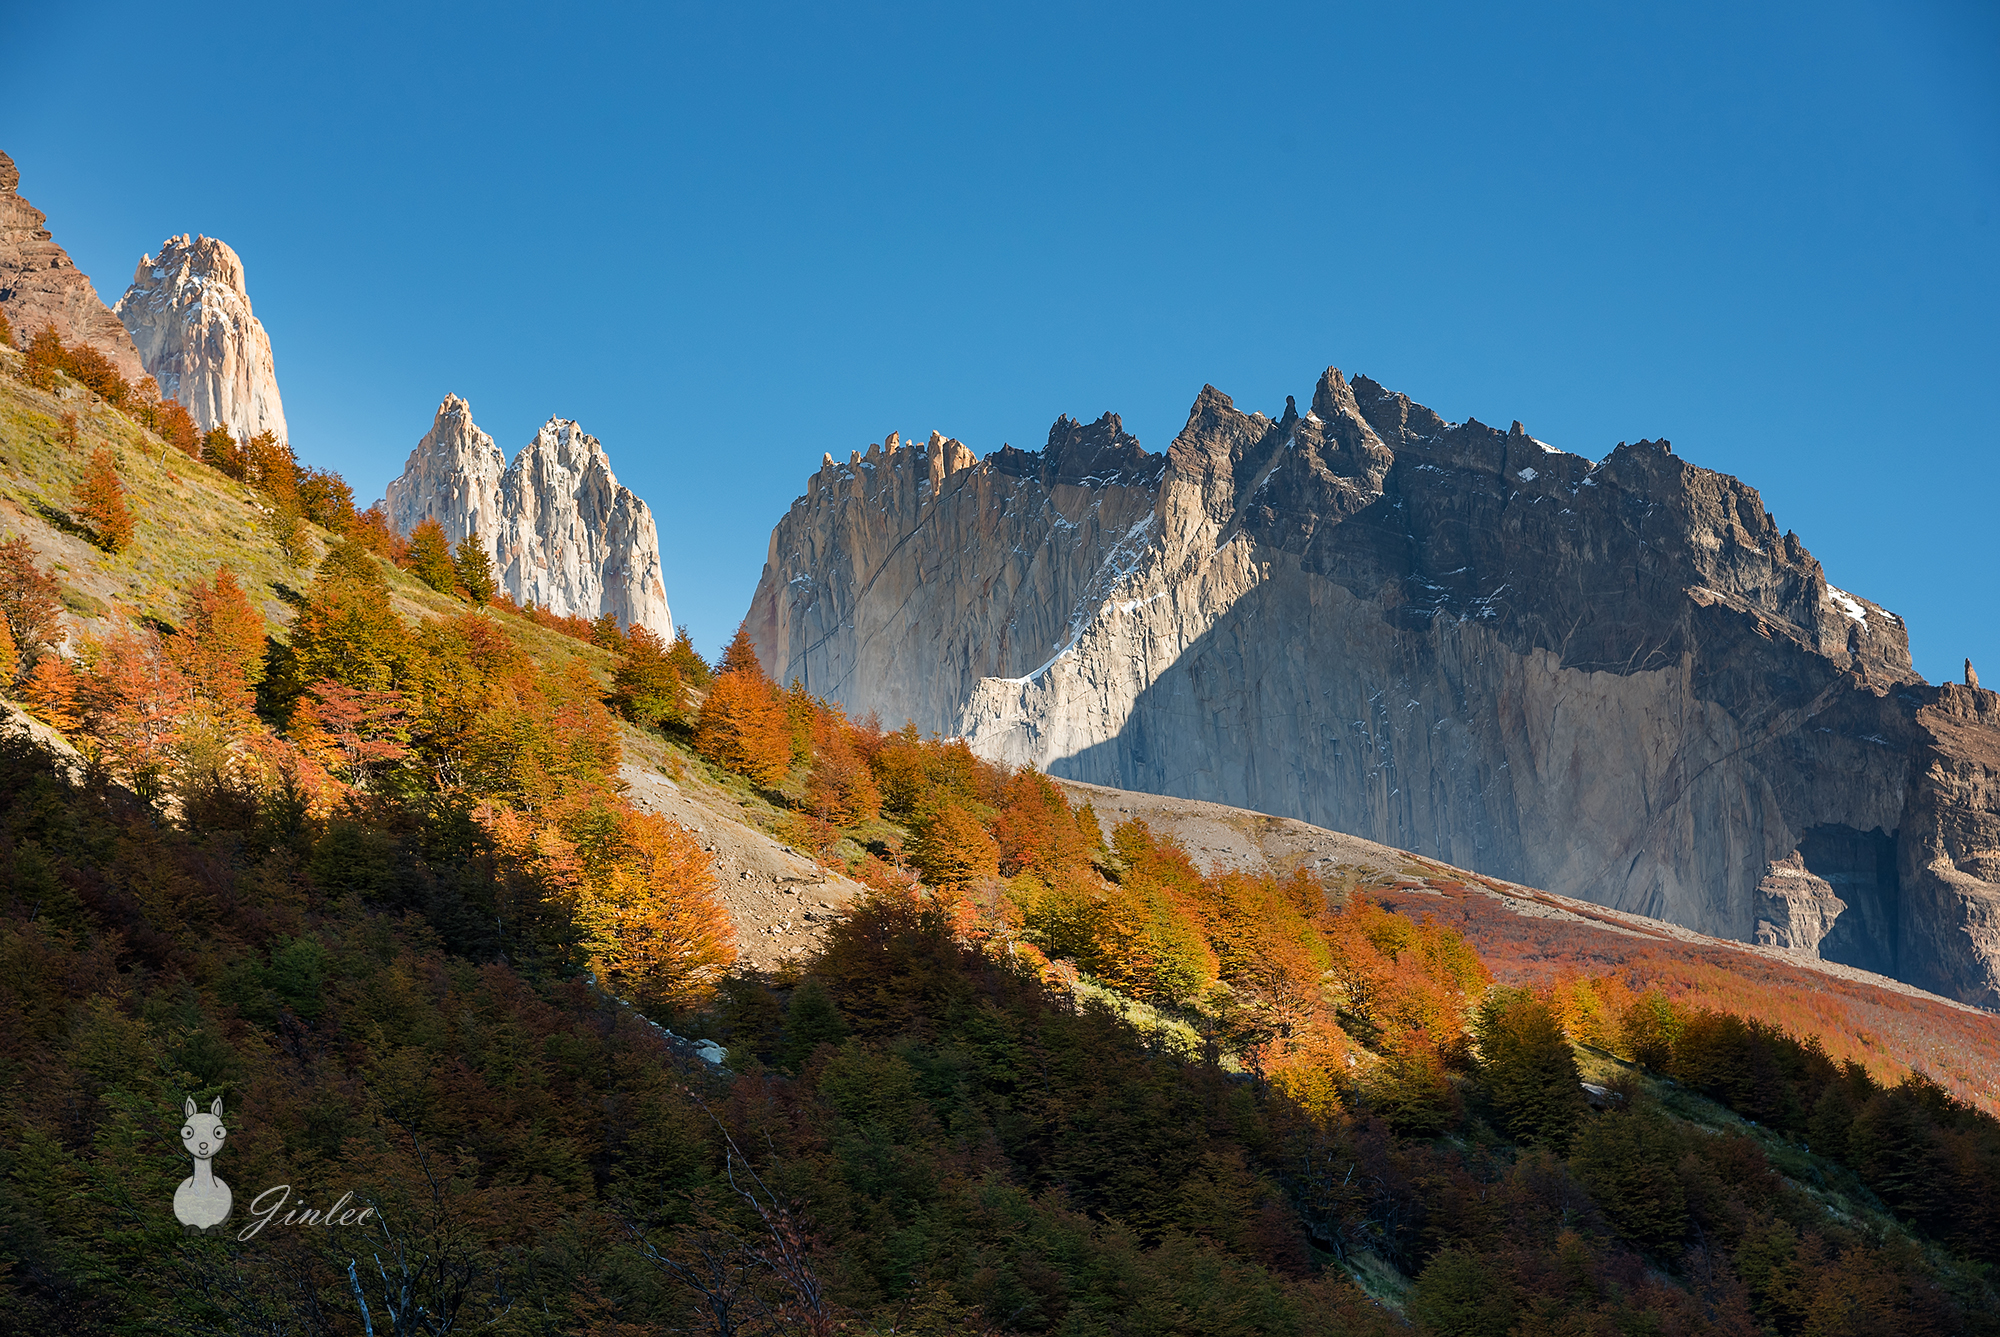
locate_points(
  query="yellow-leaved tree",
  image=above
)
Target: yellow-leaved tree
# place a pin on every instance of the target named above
(639, 888)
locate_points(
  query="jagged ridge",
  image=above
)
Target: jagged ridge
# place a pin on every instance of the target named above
(561, 530)
(1618, 680)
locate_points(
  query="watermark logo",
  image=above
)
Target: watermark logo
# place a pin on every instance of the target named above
(202, 1202)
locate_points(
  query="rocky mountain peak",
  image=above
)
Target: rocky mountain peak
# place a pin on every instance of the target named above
(1081, 453)
(41, 286)
(1615, 679)
(188, 311)
(561, 531)
(453, 477)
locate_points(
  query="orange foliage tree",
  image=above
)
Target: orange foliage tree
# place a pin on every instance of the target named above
(100, 501)
(220, 644)
(133, 703)
(741, 726)
(355, 735)
(951, 849)
(840, 789)
(50, 693)
(30, 600)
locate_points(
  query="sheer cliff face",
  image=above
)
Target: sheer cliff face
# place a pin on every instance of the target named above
(189, 313)
(40, 285)
(1616, 680)
(562, 532)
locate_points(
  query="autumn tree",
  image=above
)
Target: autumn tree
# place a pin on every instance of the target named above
(87, 364)
(473, 569)
(133, 703)
(1035, 829)
(346, 632)
(645, 684)
(221, 451)
(50, 693)
(656, 931)
(544, 740)
(839, 789)
(176, 426)
(951, 849)
(740, 655)
(687, 661)
(326, 499)
(45, 357)
(31, 602)
(430, 557)
(356, 735)
(10, 659)
(100, 501)
(371, 530)
(220, 644)
(741, 727)
(271, 468)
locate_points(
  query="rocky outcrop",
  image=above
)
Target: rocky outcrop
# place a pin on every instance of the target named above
(40, 285)
(189, 314)
(562, 532)
(453, 477)
(1617, 679)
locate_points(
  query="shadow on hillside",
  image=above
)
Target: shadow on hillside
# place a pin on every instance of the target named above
(64, 521)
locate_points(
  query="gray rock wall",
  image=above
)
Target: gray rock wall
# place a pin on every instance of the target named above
(1615, 680)
(561, 531)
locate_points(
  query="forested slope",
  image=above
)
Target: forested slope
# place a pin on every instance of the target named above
(369, 880)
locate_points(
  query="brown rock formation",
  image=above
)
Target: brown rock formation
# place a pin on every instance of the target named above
(1617, 680)
(40, 285)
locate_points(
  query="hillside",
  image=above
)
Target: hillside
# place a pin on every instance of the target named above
(984, 1053)
(1535, 938)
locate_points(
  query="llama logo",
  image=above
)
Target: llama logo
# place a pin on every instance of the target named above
(202, 1201)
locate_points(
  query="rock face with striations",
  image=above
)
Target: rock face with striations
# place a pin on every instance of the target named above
(40, 285)
(562, 532)
(1617, 680)
(189, 313)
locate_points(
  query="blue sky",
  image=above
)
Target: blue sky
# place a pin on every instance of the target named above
(727, 238)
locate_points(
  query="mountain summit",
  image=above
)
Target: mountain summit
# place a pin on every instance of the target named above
(561, 530)
(1618, 680)
(189, 313)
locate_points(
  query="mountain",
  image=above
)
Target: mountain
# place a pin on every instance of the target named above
(561, 530)
(1617, 680)
(189, 314)
(40, 285)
